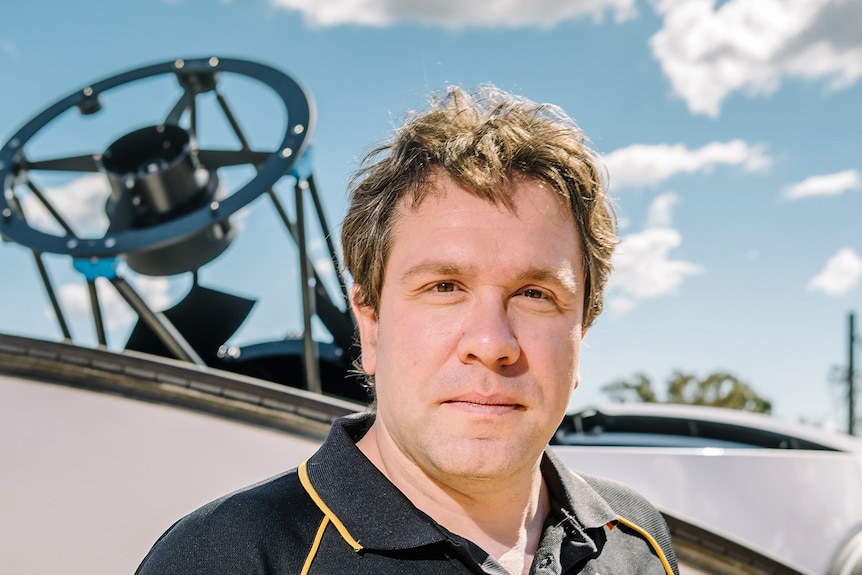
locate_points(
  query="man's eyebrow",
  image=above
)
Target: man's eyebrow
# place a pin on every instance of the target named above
(562, 277)
(437, 269)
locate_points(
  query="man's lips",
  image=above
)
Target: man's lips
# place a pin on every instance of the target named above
(485, 404)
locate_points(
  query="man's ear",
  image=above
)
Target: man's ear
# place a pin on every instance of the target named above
(366, 319)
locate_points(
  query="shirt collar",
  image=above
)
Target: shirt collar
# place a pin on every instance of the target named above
(378, 516)
(371, 508)
(574, 495)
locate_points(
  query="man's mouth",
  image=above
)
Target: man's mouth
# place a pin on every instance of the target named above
(483, 405)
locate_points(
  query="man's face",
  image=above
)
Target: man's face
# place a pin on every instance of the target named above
(475, 346)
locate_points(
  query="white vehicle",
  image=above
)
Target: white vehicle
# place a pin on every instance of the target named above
(792, 492)
(741, 493)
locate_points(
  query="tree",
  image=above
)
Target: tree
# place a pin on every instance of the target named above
(638, 389)
(718, 389)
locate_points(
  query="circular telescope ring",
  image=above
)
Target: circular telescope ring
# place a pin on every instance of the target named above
(300, 112)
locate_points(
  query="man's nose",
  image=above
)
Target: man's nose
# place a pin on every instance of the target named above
(488, 335)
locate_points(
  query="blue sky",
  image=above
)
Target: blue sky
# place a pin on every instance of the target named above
(731, 132)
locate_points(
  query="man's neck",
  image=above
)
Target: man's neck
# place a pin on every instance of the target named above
(504, 517)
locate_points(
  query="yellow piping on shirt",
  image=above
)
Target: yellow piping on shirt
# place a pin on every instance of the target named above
(653, 543)
(314, 546)
(309, 488)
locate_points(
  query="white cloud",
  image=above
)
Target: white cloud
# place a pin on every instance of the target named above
(841, 274)
(825, 185)
(621, 304)
(661, 209)
(154, 290)
(708, 52)
(117, 315)
(455, 14)
(324, 266)
(81, 203)
(644, 165)
(643, 268)
(623, 223)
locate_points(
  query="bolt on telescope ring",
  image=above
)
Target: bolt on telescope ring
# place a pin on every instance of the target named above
(195, 76)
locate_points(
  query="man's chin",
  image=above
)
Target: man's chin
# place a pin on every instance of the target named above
(482, 457)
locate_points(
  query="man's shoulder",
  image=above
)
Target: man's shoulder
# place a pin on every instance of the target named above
(240, 532)
(252, 508)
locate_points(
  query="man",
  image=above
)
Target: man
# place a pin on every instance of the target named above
(479, 241)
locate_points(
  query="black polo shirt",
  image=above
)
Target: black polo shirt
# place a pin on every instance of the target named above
(337, 514)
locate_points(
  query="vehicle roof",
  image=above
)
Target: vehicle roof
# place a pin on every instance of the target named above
(673, 425)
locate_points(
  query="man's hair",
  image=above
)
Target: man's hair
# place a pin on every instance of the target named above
(484, 141)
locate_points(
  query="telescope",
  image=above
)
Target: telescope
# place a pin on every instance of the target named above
(170, 212)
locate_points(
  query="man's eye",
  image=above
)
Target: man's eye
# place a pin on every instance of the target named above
(444, 287)
(534, 293)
